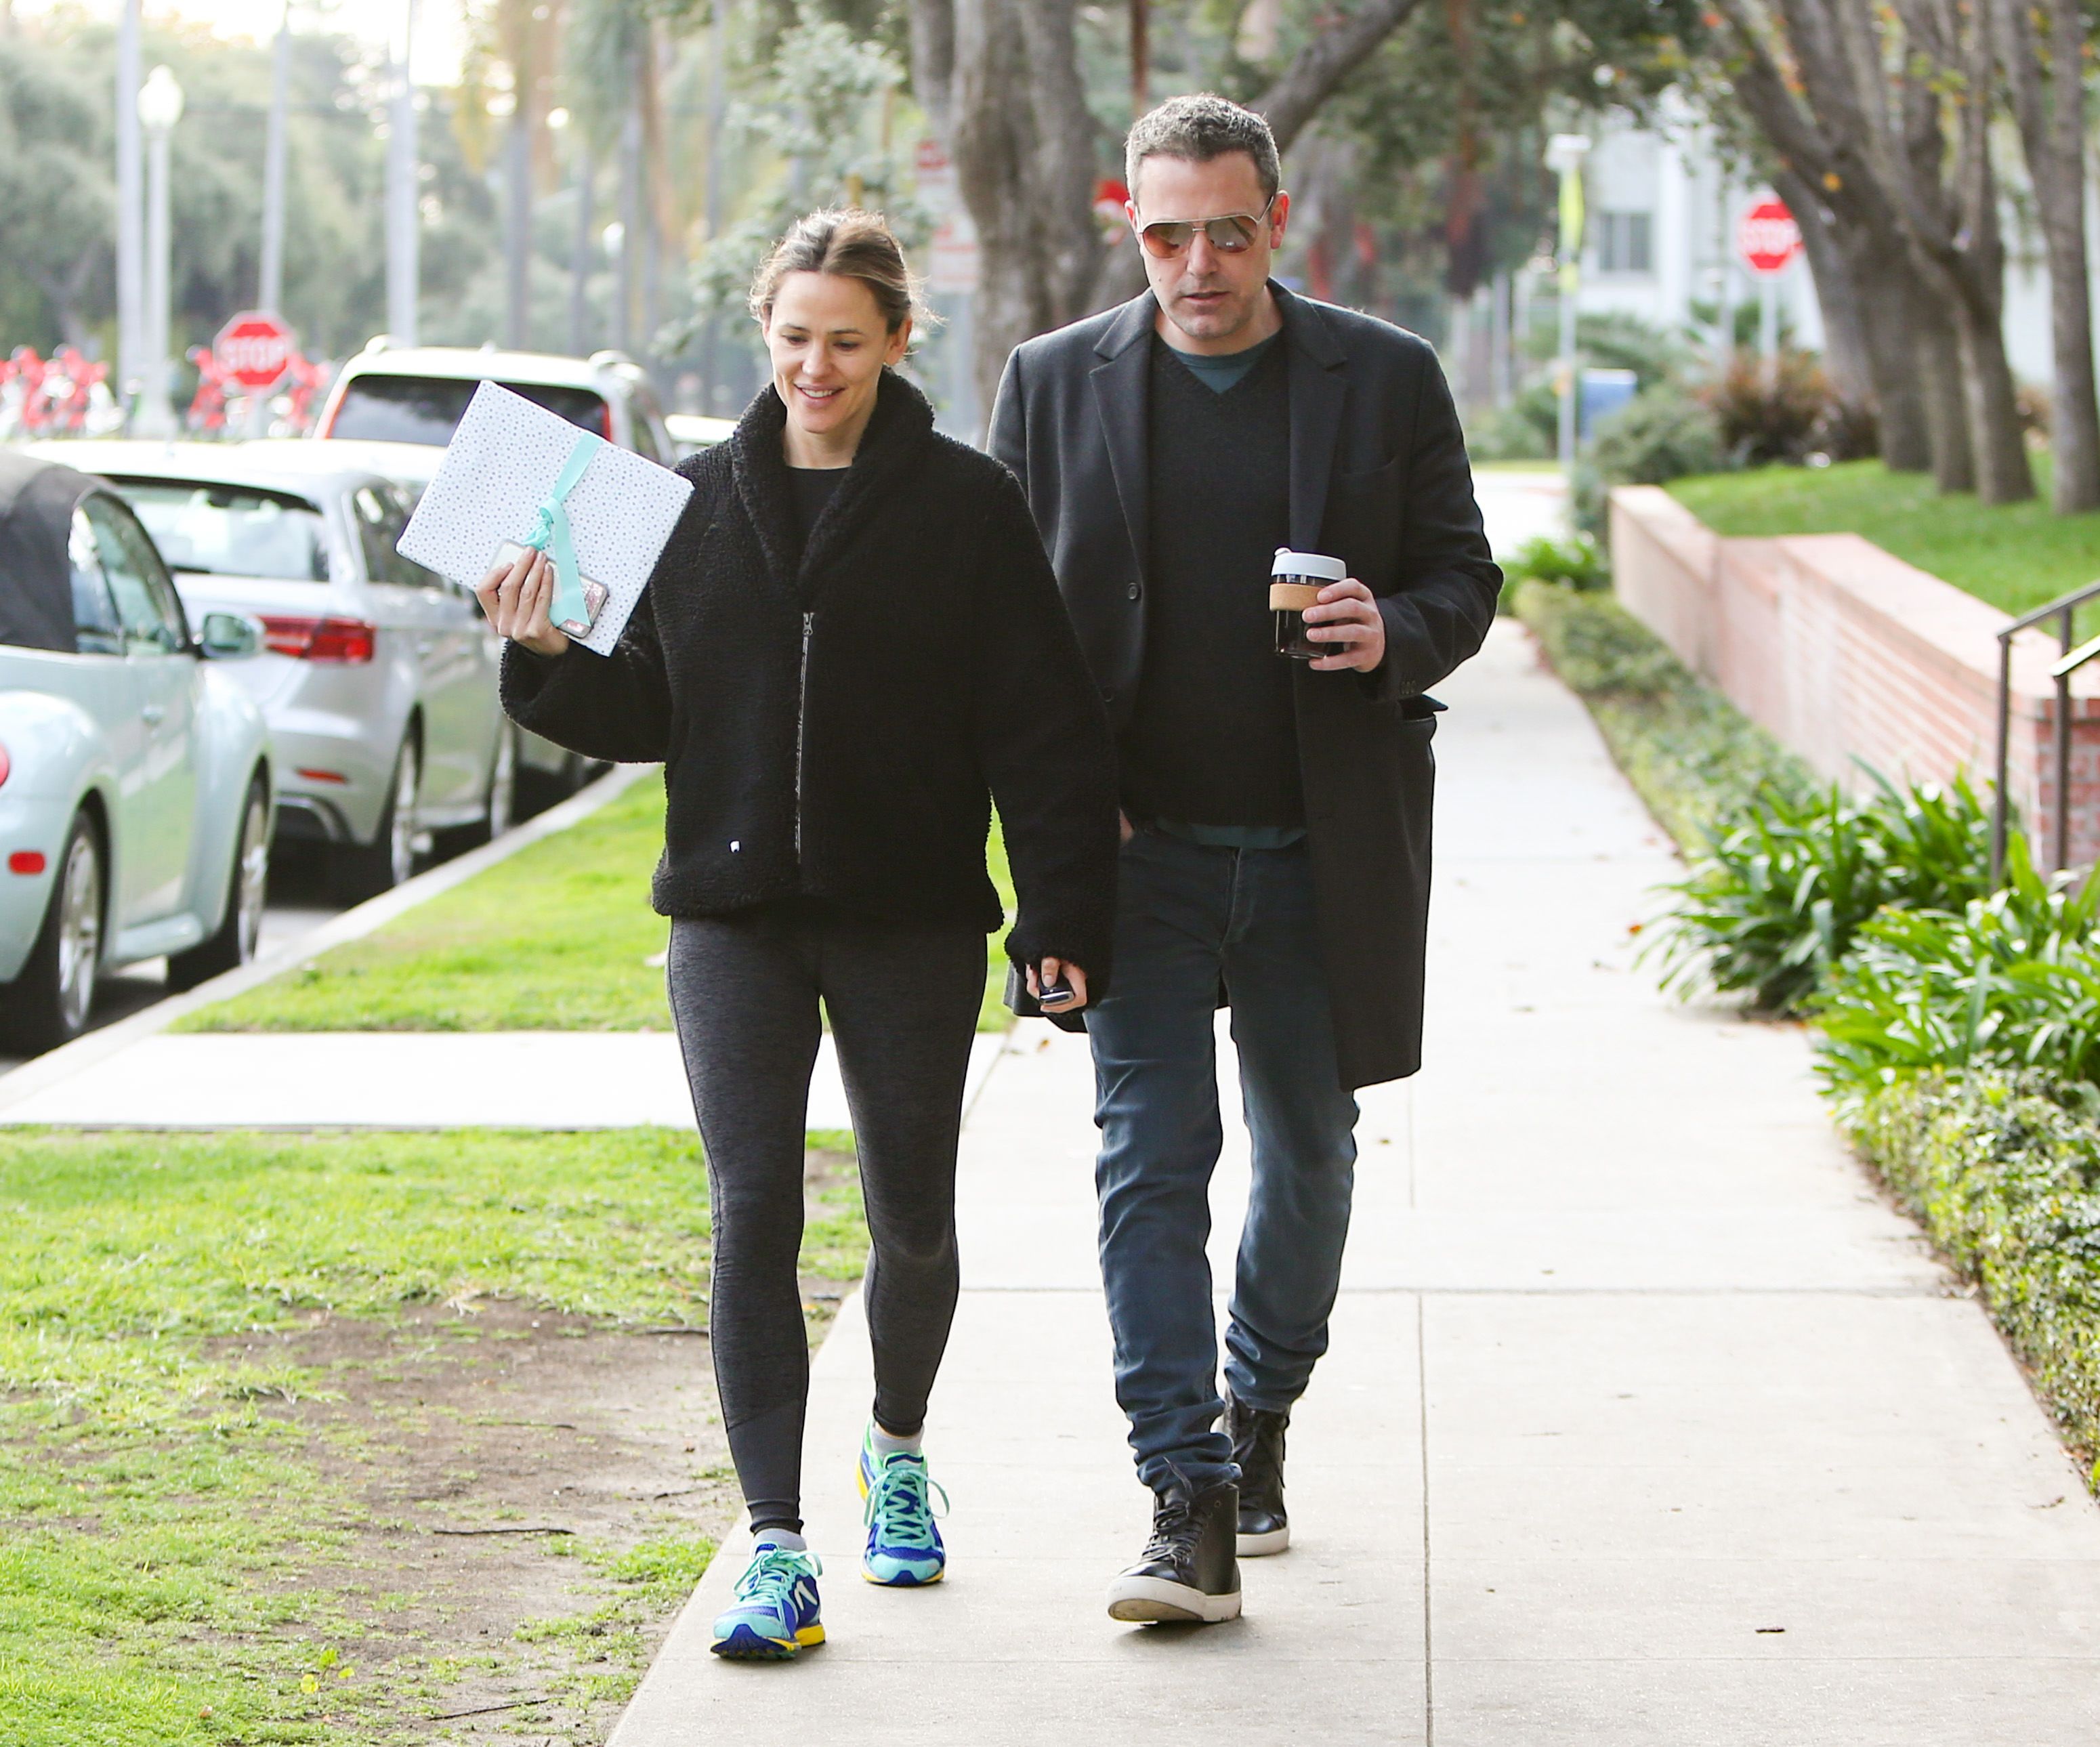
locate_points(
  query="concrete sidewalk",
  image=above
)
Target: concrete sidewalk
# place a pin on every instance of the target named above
(403, 1079)
(1646, 1421)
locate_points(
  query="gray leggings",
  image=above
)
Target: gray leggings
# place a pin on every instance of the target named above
(903, 1001)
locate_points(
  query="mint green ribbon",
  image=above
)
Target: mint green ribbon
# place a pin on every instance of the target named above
(550, 534)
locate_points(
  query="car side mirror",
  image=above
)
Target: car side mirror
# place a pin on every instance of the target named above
(230, 636)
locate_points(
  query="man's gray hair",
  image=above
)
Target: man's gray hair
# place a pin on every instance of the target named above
(1199, 128)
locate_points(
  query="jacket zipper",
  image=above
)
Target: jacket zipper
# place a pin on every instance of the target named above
(801, 696)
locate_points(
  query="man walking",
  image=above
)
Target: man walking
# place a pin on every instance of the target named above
(1277, 858)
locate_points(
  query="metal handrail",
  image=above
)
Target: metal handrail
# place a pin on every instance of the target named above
(2069, 661)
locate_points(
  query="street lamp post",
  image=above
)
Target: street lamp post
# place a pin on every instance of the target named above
(1564, 153)
(160, 109)
(130, 277)
(404, 192)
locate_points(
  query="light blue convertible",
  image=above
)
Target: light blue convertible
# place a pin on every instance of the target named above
(136, 795)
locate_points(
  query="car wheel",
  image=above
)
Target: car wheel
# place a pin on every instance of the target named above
(365, 870)
(500, 812)
(248, 887)
(49, 1001)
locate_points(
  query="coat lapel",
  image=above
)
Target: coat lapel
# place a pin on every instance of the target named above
(1318, 390)
(1122, 386)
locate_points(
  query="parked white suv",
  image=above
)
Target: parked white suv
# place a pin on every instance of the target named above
(417, 393)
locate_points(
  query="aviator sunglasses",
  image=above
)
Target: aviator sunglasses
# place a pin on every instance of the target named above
(1231, 235)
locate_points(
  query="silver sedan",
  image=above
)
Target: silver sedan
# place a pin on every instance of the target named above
(377, 677)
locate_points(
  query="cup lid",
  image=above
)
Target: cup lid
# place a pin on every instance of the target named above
(1290, 563)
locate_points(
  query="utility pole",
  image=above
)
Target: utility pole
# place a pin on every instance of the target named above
(1140, 57)
(271, 293)
(518, 216)
(403, 194)
(159, 107)
(1564, 156)
(629, 274)
(130, 209)
(717, 109)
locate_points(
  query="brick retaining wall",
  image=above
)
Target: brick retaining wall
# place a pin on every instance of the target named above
(1845, 652)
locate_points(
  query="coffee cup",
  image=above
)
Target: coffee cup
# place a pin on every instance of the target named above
(1295, 581)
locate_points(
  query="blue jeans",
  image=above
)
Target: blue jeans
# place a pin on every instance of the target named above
(1186, 917)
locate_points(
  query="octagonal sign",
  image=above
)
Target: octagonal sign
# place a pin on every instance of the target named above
(255, 349)
(1767, 237)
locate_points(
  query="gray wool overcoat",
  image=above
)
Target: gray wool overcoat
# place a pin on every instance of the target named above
(1379, 478)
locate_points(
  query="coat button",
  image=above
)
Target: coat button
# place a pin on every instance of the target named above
(1133, 591)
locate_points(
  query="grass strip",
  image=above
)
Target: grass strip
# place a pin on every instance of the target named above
(1691, 755)
(2004, 1175)
(2015, 556)
(172, 1552)
(558, 937)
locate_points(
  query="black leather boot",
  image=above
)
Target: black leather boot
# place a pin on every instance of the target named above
(1257, 1436)
(1187, 1571)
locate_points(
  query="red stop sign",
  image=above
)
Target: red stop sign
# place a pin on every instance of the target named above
(1767, 237)
(255, 349)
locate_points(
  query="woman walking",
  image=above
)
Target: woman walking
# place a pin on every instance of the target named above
(852, 645)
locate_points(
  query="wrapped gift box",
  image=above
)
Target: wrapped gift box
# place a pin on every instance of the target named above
(504, 461)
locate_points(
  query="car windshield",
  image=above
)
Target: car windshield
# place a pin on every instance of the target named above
(231, 530)
(428, 408)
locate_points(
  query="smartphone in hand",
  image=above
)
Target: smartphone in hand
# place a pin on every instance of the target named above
(1056, 991)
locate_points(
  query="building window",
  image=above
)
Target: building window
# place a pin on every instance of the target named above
(1622, 243)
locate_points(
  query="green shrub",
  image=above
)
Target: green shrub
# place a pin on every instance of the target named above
(1691, 756)
(1658, 436)
(2004, 1171)
(1527, 429)
(2012, 978)
(1776, 899)
(1577, 562)
(1597, 646)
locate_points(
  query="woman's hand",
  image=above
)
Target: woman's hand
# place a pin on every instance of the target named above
(1073, 975)
(515, 598)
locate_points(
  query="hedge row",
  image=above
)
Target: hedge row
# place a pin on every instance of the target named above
(1691, 756)
(2004, 1172)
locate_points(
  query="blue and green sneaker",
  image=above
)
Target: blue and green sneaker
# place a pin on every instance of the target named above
(775, 1615)
(904, 1548)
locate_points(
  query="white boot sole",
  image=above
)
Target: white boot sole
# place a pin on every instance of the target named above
(1259, 1546)
(1143, 1600)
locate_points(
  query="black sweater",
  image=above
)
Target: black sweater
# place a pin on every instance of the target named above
(1213, 737)
(835, 718)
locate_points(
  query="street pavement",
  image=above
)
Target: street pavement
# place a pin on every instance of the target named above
(1646, 1420)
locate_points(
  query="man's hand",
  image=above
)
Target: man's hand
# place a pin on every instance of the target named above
(1346, 616)
(515, 599)
(1073, 975)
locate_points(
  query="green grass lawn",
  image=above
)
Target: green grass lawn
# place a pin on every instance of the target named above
(172, 1552)
(559, 937)
(2016, 556)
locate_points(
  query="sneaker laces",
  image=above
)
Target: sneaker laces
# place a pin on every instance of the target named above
(773, 1572)
(899, 1496)
(1175, 1530)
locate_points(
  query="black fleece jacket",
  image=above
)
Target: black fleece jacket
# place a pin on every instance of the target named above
(835, 717)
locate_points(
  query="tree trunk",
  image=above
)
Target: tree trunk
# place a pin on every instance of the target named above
(1940, 379)
(1888, 295)
(1845, 346)
(1024, 143)
(2003, 474)
(2050, 109)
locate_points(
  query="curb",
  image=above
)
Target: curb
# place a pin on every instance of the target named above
(41, 1071)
